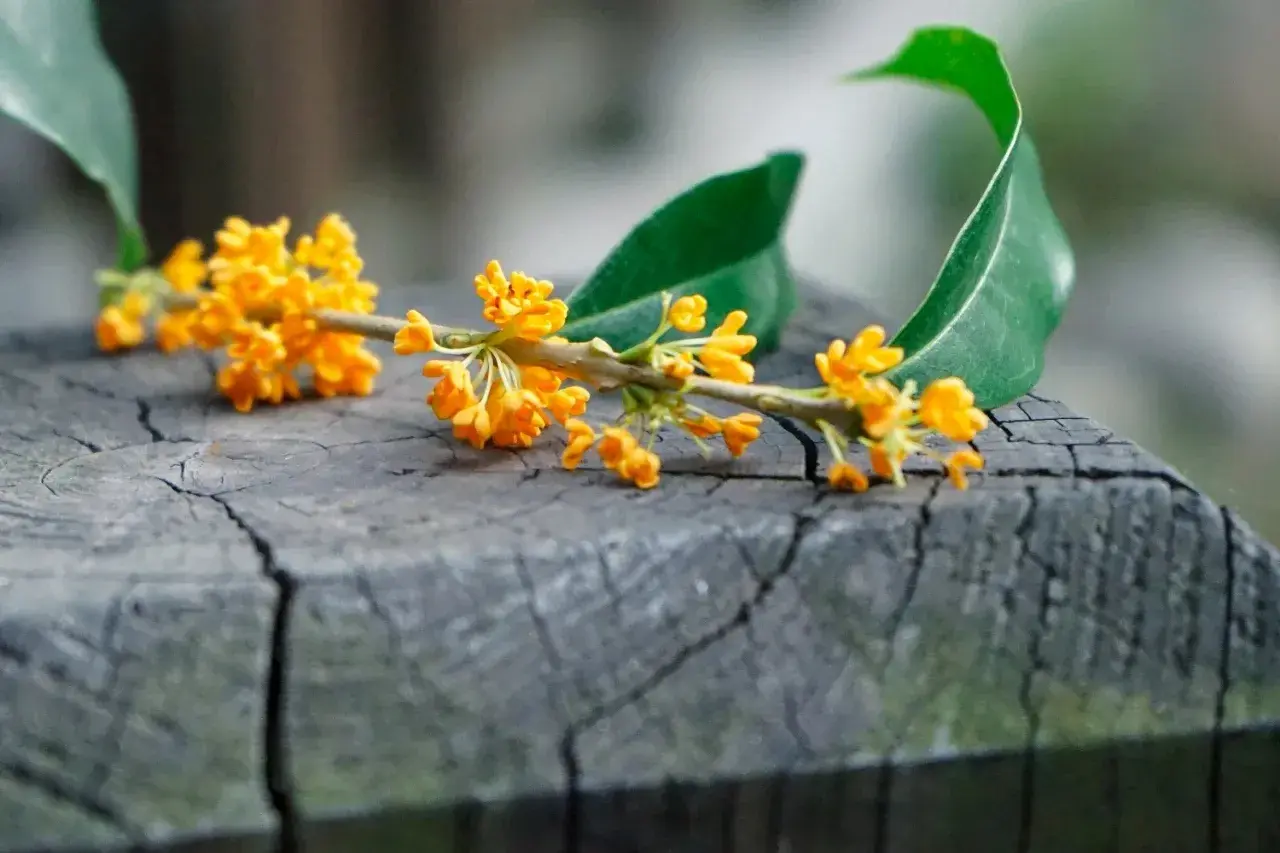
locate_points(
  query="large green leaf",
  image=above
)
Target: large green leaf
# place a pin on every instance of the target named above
(56, 79)
(1007, 278)
(721, 238)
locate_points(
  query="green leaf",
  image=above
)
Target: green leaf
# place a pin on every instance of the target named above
(721, 238)
(56, 79)
(1007, 278)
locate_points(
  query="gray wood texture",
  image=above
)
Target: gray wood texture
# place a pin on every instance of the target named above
(329, 627)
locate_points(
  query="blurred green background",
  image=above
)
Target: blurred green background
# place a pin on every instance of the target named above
(538, 131)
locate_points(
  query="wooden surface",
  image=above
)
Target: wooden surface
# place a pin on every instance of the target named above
(330, 627)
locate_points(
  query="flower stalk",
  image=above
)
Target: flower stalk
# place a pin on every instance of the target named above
(593, 362)
(277, 311)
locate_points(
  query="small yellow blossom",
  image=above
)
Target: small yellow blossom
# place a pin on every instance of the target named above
(947, 407)
(568, 402)
(473, 425)
(640, 466)
(677, 365)
(721, 354)
(185, 269)
(298, 331)
(136, 305)
(333, 243)
(845, 368)
(521, 305)
(217, 315)
(241, 245)
(886, 408)
(889, 428)
(351, 375)
(416, 336)
(866, 353)
(254, 343)
(740, 430)
(702, 426)
(359, 297)
(121, 326)
(581, 438)
(846, 477)
(886, 460)
(688, 313)
(116, 330)
(173, 330)
(454, 392)
(957, 462)
(516, 416)
(615, 446)
(259, 308)
(242, 384)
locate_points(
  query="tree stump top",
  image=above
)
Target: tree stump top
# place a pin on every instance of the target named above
(332, 623)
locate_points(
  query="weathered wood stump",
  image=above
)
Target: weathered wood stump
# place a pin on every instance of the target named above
(330, 627)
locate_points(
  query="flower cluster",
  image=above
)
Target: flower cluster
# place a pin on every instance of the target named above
(276, 309)
(893, 423)
(258, 299)
(122, 325)
(488, 396)
(720, 355)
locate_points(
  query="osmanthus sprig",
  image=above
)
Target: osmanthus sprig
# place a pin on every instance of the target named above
(277, 311)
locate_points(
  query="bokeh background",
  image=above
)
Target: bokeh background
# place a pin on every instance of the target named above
(538, 131)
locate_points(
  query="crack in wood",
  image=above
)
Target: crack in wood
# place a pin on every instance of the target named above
(1216, 793)
(276, 770)
(764, 587)
(278, 776)
(1036, 664)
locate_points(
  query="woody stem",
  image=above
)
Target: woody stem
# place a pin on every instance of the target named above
(591, 362)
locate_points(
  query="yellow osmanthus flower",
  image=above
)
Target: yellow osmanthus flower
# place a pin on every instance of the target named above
(258, 345)
(616, 444)
(957, 462)
(893, 428)
(502, 402)
(453, 392)
(473, 425)
(722, 354)
(243, 384)
(739, 431)
(947, 406)
(259, 284)
(185, 269)
(845, 368)
(174, 330)
(213, 321)
(254, 298)
(846, 477)
(688, 313)
(641, 467)
(333, 246)
(892, 422)
(701, 425)
(719, 355)
(677, 365)
(521, 306)
(622, 453)
(122, 326)
(581, 439)
(416, 336)
(242, 246)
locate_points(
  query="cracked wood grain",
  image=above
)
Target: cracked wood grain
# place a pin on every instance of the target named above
(329, 627)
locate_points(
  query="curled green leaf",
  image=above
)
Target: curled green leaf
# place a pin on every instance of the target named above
(721, 238)
(56, 79)
(1007, 278)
